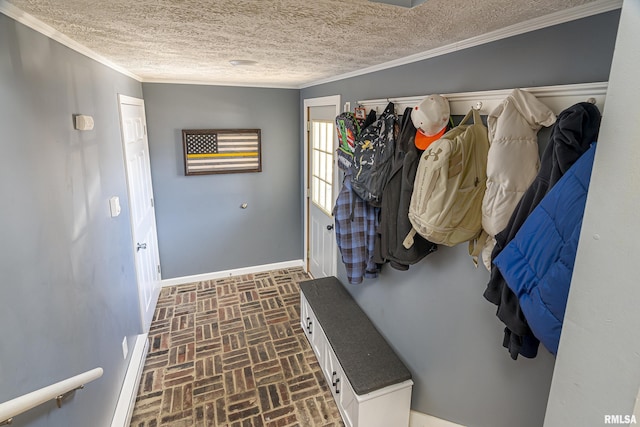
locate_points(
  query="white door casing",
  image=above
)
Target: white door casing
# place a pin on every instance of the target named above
(141, 204)
(321, 176)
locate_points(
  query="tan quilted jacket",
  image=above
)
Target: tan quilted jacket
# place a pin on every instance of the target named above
(513, 160)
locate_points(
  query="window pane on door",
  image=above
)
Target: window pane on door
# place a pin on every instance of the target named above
(316, 163)
(322, 193)
(322, 144)
(316, 188)
(322, 174)
(322, 140)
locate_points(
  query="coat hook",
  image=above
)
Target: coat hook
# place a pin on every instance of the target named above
(591, 101)
(478, 106)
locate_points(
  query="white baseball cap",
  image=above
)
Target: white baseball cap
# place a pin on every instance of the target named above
(430, 118)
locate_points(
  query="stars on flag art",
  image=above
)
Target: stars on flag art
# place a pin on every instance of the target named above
(211, 151)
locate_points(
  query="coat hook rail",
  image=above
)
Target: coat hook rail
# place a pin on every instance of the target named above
(58, 391)
(555, 97)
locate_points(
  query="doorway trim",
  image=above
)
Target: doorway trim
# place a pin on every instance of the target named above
(334, 100)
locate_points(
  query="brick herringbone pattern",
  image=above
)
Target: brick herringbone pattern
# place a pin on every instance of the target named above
(231, 353)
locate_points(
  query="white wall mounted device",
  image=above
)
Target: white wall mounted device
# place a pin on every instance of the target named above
(82, 122)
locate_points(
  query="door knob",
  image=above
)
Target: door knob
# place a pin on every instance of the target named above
(141, 246)
(330, 227)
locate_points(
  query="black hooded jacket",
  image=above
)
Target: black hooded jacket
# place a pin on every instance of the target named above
(575, 129)
(396, 198)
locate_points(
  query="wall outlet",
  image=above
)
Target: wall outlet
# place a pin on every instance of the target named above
(125, 349)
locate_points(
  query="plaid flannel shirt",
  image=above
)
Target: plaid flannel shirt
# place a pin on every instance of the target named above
(356, 223)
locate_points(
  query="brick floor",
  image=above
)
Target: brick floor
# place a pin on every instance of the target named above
(230, 352)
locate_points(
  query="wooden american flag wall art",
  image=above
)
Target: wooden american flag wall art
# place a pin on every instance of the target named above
(210, 151)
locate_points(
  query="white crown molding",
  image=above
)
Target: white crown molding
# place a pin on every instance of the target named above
(557, 98)
(35, 24)
(217, 83)
(572, 14)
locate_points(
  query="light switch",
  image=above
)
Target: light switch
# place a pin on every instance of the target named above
(114, 205)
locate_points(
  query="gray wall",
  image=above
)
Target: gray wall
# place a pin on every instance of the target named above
(598, 368)
(201, 228)
(68, 294)
(434, 315)
(574, 52)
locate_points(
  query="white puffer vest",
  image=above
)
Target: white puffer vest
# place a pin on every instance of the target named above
(513, 160)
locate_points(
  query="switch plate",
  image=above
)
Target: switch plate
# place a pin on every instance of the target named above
(125, 348)
(114, 206)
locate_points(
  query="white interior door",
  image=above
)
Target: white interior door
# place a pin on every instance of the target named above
(322, 144)
(143, 217)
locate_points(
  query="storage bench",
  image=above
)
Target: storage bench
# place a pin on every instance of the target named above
(370, 384)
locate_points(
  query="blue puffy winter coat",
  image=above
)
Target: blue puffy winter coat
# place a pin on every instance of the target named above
(538, 263)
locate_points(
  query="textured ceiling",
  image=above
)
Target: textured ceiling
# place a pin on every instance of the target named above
(295, 42)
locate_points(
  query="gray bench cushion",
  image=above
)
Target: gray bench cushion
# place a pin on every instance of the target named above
(366, 358)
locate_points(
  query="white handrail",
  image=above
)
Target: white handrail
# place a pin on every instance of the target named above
(21, 404)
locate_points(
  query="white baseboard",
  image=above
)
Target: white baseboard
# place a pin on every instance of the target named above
(127, 399)
(233, 272)
(418, 419)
